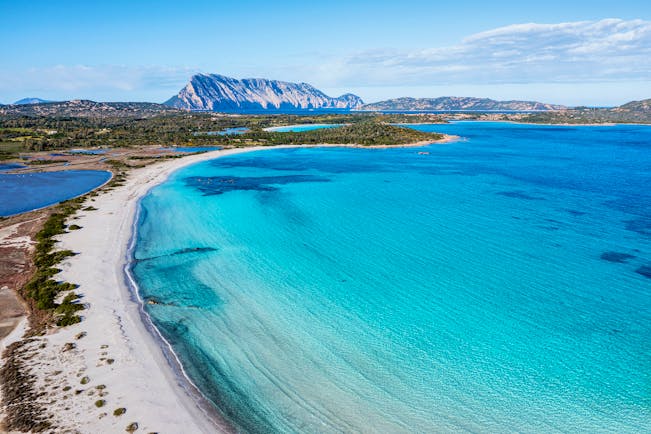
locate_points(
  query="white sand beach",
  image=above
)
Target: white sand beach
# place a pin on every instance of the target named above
(114, 358)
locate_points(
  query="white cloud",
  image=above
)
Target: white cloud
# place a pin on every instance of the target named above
(605, 50)
(582, 53)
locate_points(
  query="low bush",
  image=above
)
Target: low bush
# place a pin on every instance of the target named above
(119, 411)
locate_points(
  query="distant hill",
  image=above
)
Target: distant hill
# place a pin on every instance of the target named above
(215, 92)
(31, 101)
(86, 108)
(639, 107)
(632, 112)
(457, 103)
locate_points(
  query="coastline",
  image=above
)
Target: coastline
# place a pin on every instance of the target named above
(447, 138)
(116, 352)
(111, 354)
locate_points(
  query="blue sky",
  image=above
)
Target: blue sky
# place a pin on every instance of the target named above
(569, 52)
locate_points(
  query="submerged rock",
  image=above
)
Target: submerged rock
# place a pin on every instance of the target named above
(645, 271)
(616, 257)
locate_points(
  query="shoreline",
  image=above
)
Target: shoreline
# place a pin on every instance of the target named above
(203, 404)
(111, 354)
(151, 358)
(447, 138)
(116, 340)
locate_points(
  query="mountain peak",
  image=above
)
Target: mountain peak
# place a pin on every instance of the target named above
(215, 92)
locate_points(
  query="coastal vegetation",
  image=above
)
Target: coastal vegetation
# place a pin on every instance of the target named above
(66, 125)
(634, 112)
(24, 411)
(590, 115)
(366, 133)
(42, 290)
(23, 134)
(128, 126)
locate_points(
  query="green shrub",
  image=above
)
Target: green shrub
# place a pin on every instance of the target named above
(42, 288)
(69, 298)
(68, 320)
(119, 411)
(68, 308)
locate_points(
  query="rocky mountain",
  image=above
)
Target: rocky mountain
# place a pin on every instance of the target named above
(632, 112)
(215, 92)
(643, 106)
(86, 108)
(31, 101)
(458, 103)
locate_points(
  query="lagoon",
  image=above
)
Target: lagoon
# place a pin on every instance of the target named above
(26, 192)
(4, 167)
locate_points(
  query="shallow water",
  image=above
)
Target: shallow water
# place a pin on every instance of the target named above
(224, 132)
(88, 151)
(495, 284)
(25, 192)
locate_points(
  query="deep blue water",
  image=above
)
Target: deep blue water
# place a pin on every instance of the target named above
(26, 192)
(500, 283)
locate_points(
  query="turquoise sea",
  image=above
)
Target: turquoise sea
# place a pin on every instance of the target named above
(497, 284)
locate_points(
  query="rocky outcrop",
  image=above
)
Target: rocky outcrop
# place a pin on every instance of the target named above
(458, 103)
(213, 92)
(643, 106)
